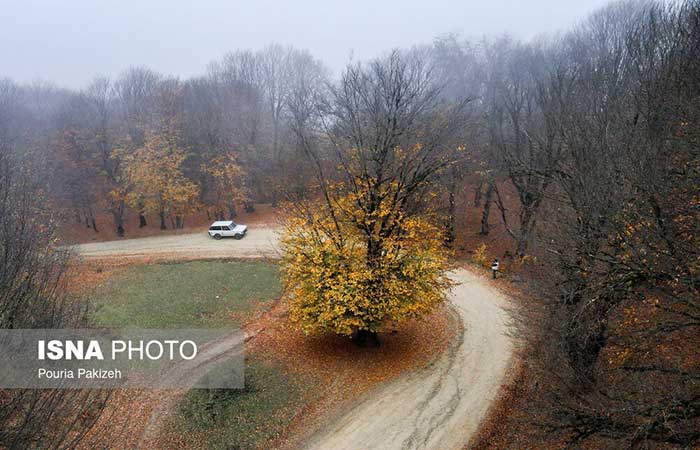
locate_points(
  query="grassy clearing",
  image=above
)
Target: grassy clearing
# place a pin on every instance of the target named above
(208, 294)
(239, 419)
(193, 294)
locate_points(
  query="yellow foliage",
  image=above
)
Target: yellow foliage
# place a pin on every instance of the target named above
(156, 182)
(481, 257)
(344, 276)
(228, 181)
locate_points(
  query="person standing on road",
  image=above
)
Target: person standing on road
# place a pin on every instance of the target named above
(494, 267)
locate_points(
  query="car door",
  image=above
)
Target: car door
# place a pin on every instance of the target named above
(227, 230)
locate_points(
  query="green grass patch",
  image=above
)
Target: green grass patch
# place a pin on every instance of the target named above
(239, 419)
(208, 294)
(194, 294)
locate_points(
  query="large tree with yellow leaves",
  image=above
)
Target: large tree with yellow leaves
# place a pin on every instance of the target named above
(227, 181)
(368, 249)
(154, 172)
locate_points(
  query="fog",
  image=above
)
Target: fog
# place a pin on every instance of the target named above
(70, 42)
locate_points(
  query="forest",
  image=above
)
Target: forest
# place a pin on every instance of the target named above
(583, 146)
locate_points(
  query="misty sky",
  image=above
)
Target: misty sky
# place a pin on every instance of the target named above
(70, 41)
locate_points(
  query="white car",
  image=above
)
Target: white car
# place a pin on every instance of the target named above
(226, 228)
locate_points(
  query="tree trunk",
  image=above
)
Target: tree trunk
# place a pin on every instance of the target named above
(521, 246)
(485, 227)
(364, 338)
(276, 157)
(142, 220)
(91, 215)
(527, 224)
(232, 211)
(162, 220)
(477, 194)
(249, 207)
(118, 214)
(450, 235)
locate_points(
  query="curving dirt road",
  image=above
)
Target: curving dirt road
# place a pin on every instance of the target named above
(439, 407)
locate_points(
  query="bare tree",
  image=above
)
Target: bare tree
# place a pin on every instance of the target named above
(32, 295)
(373, 115)
(458, 74)
(622, 230)
(521, 115)
(275, 71)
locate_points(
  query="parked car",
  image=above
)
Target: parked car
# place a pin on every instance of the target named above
(227, 228)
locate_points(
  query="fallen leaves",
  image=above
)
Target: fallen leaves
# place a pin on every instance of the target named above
(342, 371)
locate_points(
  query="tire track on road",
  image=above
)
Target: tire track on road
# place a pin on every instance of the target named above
(439, 407)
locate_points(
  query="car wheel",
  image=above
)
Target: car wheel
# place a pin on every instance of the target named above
(238, 236)
(217, 236)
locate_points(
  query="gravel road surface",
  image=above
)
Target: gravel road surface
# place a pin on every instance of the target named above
(439, 407)
(259, 242)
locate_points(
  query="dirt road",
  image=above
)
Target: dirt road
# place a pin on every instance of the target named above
(259, 242)
(439, 407)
